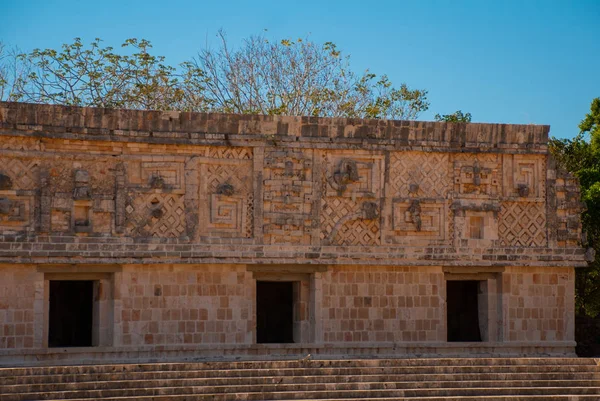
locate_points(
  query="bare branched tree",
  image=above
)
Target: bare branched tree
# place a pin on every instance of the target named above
(260, 77)
(299, 78)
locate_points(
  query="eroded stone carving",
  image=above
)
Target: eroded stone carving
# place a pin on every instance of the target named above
(81, 188)
(225, 189)
(370, 210)
(415, 213)
(5, 206)
(5, 182)
(347, 173)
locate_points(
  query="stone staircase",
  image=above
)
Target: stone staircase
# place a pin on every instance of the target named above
(489, 379)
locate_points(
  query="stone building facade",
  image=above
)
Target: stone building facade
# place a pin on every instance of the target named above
(140, 234)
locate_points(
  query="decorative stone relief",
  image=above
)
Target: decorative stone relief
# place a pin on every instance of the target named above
(529, 176)
(82, 188)
(420, 174)
(20, 143)
(522, 224)
(350, 210)
(226, 198)
(288, 196)
(476, 178)
(16, 212)
(352, 174)
(475, 220)
(155, 215)
(19, 174)
(348, 222)
(418, 218)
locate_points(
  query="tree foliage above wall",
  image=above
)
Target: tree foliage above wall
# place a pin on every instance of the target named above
(284, 77)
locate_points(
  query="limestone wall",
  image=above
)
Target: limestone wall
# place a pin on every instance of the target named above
(127, 187)
(184, 305)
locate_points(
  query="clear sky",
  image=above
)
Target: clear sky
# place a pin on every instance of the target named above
(513, 61)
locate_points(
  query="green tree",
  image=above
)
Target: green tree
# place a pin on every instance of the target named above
(456, 117)
(581, 156)
(287, 77)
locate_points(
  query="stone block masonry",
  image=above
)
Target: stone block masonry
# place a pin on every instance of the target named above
(174, 217)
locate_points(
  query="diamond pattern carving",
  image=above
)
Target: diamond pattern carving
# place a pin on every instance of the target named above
(155, 215)
(23, 172)
(522, 224)
(358, 232)
(430, 171)
(342, 223)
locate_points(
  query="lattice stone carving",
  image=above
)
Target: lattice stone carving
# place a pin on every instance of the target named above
(155, 215)
(340, 215)
(412, 218)
(429, 171)
(24, 173)
(522, 224)
(477, 177)
(358, 232)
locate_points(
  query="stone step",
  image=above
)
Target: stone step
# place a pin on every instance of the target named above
(200, 393)
(562, 397)
(41, 383)
(308, 384)
(315, 371)
(299, 364)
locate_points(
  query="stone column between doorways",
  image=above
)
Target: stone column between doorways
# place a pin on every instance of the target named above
(490, 299)
(308, 304)
(103, 304)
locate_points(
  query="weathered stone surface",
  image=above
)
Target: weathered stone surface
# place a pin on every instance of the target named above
(370, 218)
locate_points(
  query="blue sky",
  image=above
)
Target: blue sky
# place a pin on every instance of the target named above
(520, 62)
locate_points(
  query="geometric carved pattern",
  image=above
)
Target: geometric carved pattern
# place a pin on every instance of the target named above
(342, 223)
(288, 196)
(228, 214)
(522, 224)
(358, 232)
(23, 172)
(19, 213)
(429, 170)
(475, 177)
(237, 153)
(19, 143)
(155, 215)
(425, 220)
(528, 171)
(369, 170)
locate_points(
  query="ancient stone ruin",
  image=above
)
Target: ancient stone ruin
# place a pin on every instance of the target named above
(137, 234)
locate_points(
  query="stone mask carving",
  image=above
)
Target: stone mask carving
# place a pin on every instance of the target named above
(82, 189)
(347, 173)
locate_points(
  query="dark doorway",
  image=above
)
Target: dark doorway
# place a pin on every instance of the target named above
(463, 310)
(274, 312)
(71, 313)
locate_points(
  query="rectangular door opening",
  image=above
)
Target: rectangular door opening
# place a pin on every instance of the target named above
(274, 312)
(463, 311)
(71, 312)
